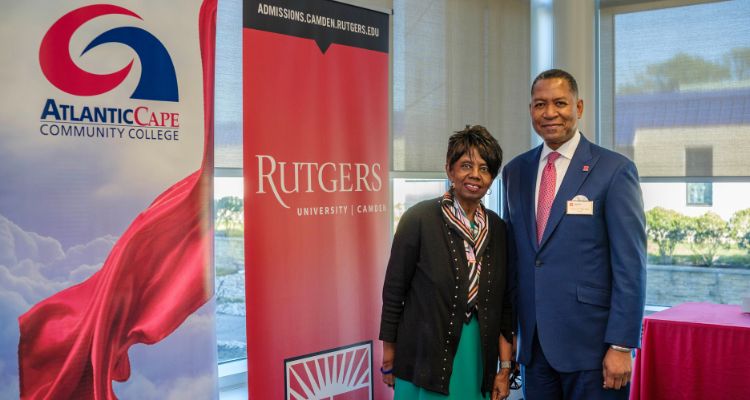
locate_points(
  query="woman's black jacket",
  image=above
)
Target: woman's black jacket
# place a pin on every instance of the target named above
(424, 297)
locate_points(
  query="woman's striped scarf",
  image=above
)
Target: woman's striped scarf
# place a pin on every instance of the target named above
(475, 240)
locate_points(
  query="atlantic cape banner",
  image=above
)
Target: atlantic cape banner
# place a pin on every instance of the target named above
(105, 225)
(316, 206)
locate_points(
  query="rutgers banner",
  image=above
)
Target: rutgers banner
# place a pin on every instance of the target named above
(105, 225)
(316, 206)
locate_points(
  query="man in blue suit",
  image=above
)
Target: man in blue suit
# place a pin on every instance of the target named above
(575, 217)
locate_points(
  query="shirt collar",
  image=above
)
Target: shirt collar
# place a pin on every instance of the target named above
(566, 150)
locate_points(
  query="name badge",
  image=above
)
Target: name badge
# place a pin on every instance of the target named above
(580, 205)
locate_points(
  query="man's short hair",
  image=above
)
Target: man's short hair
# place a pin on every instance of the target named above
(557, 73)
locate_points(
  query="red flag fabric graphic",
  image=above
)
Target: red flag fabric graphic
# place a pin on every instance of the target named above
(74, 343)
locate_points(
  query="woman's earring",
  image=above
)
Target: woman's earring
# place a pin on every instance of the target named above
(489, 192)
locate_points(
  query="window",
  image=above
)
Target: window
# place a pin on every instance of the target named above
(229, 249)
(229, 264)
(675, 100)
(408, 192)
(699, 194)
(455, 63)
(699, 163)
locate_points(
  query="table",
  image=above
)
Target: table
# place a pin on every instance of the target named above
(694, 351)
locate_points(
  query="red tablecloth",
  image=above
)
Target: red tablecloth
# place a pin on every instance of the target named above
(694, 351)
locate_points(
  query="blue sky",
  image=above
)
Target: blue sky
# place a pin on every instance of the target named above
(705, 30)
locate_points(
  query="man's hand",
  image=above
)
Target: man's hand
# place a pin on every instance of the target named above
(389, 354)
(616, 369)
(501, 387)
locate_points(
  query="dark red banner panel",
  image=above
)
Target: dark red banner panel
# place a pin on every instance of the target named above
(316, 197)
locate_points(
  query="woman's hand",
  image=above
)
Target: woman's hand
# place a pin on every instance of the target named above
(501, 387)
(389, 354)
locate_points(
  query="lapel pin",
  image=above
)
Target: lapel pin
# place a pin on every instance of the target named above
(585, 168)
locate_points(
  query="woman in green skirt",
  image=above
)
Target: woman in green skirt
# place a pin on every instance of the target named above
(446, 319)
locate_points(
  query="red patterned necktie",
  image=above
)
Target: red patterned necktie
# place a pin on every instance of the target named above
(546, 194)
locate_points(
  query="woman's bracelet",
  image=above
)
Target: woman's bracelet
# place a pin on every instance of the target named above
(386, 371)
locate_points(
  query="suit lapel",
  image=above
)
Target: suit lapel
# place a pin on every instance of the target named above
(528, 190)
(572, 181)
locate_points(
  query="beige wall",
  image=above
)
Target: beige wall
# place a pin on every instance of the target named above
(661, 152)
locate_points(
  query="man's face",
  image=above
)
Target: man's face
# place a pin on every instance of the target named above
(555, 111)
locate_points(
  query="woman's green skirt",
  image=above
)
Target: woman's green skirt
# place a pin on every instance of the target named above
(466, 379)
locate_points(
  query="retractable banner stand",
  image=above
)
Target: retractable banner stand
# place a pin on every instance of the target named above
(106, 139)
(316, 207)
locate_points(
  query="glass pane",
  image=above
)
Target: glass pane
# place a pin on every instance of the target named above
(699, 242)
(228, 85)
(408, 192)
(229, 256)
(450, 69)
(699, 193)
(678, 87)
(682, 110)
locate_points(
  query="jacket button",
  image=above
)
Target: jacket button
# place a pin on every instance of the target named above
(538, 263)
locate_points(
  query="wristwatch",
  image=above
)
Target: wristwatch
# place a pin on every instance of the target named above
(505, 365)
(620, 348)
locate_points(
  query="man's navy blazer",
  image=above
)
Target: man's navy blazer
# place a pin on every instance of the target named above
(583, 287)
